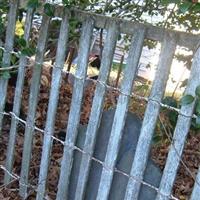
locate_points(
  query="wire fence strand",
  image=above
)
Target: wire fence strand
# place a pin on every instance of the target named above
(74, 147)
(133, 95)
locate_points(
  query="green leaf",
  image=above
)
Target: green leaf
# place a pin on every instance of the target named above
(166, 2)
(172, 117)
(187, 99)
(5, 75)
(13, 59)
(28, 51)
(184, 7)
(34, 4)
(194, 125)
(197, 91)
(197, 120)
(197, 108)
(196, 7)
(66, 2)
(22, 42)
(157, 139)
(49, 9)
(170, 101)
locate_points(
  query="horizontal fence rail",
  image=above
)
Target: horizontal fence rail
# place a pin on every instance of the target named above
(89, 21)
(188, 40)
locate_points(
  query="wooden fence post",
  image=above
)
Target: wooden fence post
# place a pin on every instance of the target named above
(74, 115)
(151, 114)
(33, 99)
(180, 133)
(10, 32)
(52, 107)
(17, 100)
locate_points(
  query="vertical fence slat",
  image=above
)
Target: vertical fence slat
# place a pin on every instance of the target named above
(151, 114)
(75, 109)
(120, 114)
(52, 107)
(180, 133)
(17, 100)
(97, 107)
(196, 190)
(33, 99)
(10, 32)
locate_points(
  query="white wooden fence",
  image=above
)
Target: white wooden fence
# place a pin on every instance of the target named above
(169, 40)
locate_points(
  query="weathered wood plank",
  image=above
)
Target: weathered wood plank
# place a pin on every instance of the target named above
(10, 32)
(196, 190)
(17, 99)
(74, 115)
(156, 33)
(33, 99)
(152, 32)
(129, 27)
(180, 133)
(151, 114)
(52, 107)
(120, 114)
(97, 108)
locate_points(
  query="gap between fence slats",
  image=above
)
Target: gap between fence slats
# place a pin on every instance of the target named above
(196, 190)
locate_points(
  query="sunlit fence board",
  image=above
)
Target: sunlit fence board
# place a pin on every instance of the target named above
(180, 133)
(196, 189)
(151, 114)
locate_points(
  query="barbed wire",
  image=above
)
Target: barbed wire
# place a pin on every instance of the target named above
(74, 147)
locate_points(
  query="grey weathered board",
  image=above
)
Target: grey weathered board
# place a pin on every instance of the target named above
(124, 160)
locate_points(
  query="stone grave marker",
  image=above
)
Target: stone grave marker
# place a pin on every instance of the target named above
(125, 157)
